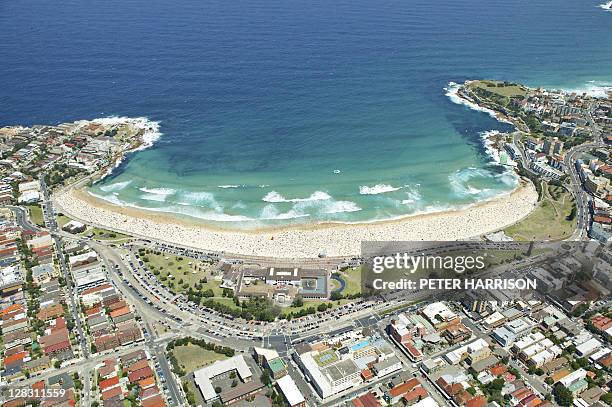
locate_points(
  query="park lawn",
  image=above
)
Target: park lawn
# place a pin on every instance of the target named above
(180, 268)
(508, 91)
(105, 234)
(314, 304)
(36, 215)
(549, 220)
(191, 357)
(62, 220)
(352, 278)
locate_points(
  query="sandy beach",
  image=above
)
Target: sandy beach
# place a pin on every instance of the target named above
(301, 241)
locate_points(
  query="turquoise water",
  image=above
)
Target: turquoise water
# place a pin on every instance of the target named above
(277, 112)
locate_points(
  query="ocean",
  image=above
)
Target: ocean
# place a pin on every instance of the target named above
(283, 112)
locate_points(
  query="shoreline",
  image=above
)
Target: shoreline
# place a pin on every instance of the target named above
(310, 239)
(306, 241)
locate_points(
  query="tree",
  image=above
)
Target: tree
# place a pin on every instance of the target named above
(607, 398)
(265, 378)
(298, 301)
(335, 296)
(563, 396)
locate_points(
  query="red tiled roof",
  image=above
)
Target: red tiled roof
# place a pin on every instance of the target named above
(112, 392)
(404, 387)
(57, 347)
(367, 400)
(14, 358)
(156, 401)
(140, 374)
(108, 383)
(477, 401)
(416, 394)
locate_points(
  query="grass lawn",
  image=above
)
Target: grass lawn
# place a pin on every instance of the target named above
(191, 357)
(314, 304)
(397, 308)
(62, 220)
(502, 90)
(180, 273)
(36, 215)
(549, 220)
(352, 278)
(172, 269)
(104, 234)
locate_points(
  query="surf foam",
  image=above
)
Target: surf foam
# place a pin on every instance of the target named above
(377, 189)
(275, 197)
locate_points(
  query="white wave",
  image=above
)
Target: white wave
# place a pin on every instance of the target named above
(413, 195)
(263, 186)
(112, 198)
(158, 191)
(490, 148)
(509, 178)
(117, 186)
(150, 134)
(153, 197)
(270, 212)
(340, 207)
(275, 197)
(150, 128)
(606, 6)
(595, 89)
(452, 91)
(202, 198)
(377, 189)
(460, 179)
(156, 194)
(228, 186)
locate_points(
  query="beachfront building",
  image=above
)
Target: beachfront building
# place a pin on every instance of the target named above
(281, 284)
(74, 227)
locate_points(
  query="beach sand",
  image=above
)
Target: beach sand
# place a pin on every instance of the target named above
(308, 241)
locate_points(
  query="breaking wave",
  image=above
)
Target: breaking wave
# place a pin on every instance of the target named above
(275, 197)
(464, 183)
(606, 6)
(377, 189)
(117, 186)
(596, 89)
(452, 91)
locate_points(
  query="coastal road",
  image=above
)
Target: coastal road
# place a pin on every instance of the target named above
(581, 197)
(21, 218)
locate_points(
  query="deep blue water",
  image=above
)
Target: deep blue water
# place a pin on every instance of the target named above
(282, 93)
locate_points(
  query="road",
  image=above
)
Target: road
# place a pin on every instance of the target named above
(158, 349)
(581, 197)
(51, 224)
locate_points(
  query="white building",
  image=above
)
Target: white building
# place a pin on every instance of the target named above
(290, 390)
(203, 376)
(588, 347)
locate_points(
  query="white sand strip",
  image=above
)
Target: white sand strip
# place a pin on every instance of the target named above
(302, 241)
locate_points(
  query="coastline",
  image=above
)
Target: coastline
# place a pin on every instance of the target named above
(307, 241)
